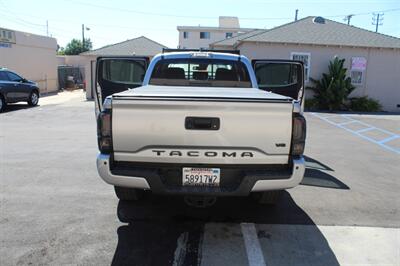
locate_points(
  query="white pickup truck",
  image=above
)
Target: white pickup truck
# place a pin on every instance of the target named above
(200, 124)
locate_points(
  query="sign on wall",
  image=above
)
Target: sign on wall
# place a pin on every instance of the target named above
(7, 36)
(358, 63)
(358, 66)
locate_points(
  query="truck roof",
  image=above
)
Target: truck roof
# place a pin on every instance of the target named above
(200, 54)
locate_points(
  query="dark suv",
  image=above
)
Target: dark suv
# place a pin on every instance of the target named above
(14, 88)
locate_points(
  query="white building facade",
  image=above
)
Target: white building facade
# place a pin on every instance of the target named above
(196, 37)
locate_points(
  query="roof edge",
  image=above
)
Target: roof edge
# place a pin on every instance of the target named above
(239, 35)
(321, 45)
(106, 46)
(333, 21)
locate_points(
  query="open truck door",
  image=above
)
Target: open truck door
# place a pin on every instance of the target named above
(117, 74)
(285, 77)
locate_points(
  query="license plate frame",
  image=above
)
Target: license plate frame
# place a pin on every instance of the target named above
(201, 177)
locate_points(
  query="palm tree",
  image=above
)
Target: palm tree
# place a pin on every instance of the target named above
(332, 91)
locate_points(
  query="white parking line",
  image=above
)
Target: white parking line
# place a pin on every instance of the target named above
(381, 143)
(310, 245)
(346, 123)
(389, 139)
(365, 129)
(253, 248)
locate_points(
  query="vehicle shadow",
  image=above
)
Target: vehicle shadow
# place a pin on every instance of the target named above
(154, 227)
(316, 175)
(17, 107)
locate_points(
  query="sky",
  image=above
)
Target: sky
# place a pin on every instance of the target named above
(119, 20)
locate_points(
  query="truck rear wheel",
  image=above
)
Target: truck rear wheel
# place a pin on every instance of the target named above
(268, 197)
(129, 194)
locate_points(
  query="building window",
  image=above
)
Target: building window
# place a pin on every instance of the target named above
(306, 59)
(356, 77)
(204, 35)
(358, 67)
(7, 36)
(228, 35)
(185, 35)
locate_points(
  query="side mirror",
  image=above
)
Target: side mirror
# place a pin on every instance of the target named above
(23, 80)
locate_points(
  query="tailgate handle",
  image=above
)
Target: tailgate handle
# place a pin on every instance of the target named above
(202, 123)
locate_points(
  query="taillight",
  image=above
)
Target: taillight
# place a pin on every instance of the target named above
(104, 138)
(298, 134)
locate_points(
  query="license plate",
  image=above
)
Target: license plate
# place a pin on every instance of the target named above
(201, 176)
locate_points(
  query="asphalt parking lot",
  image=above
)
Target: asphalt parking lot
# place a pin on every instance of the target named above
(55, 210)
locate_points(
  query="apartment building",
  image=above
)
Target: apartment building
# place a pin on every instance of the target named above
(196, 37)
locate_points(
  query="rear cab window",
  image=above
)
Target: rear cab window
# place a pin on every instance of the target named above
(200, 72)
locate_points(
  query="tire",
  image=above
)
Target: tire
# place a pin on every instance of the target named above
(129, 194)
(33, 98)
(3, 103)
(269, 197)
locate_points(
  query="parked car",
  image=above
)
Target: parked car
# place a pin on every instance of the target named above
(201, 125)
(14, 88)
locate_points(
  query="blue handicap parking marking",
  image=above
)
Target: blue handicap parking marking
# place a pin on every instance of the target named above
(389, 136)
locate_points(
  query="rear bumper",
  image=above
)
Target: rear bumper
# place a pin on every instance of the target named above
(166, 181)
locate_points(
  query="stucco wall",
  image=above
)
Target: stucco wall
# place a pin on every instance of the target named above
(382, 76)
(34, 58)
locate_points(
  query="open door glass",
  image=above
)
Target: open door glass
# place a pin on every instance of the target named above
(117, 74)
(283, 77)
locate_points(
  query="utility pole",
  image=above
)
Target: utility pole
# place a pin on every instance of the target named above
(295, 16)
(348, 18)
(83, 37)
(377, 20)
(47, 28)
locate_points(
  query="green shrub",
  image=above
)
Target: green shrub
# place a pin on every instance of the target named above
(365, 104)
(311, 104)
(332, 90)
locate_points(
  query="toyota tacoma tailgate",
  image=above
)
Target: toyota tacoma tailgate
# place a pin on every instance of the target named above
(201, 125)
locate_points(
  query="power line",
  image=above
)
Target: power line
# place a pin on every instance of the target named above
(194, 17)
(170, 15)
(212, 17)
(16, 19)
(22, 22)
(7, 10)
(365, 13)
